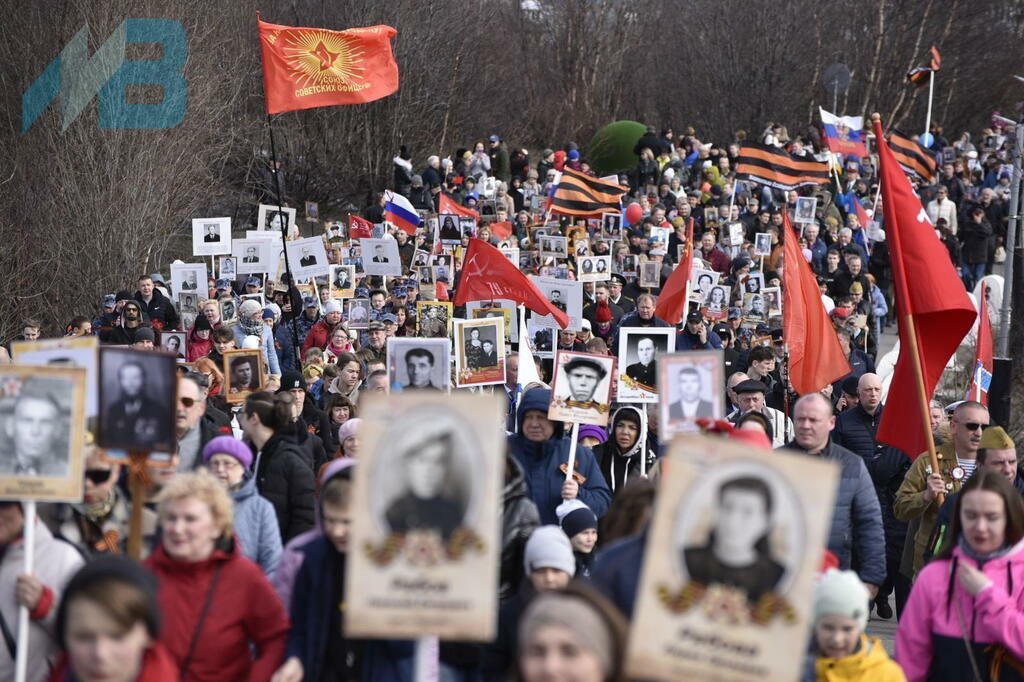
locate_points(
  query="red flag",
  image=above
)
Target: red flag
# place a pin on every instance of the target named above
(314, 67)
(815, 357)
(982, 356)
(487, 275)
(935, 301)
(502, 229)
(446, 204)
(672, 301)
(359, 228)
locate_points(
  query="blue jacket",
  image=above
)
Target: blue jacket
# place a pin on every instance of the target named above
(632, 319)
(616, 571)
(256, 527)
(541, 462)
(267, 348)
(285, 346)
(856, 516)
(687, 341)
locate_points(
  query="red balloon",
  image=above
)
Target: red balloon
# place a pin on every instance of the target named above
(634, 214)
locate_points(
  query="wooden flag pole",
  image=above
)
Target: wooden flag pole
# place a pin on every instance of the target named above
(29, 536)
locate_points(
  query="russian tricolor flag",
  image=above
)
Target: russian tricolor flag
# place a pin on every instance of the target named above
(843, 134)
(400, 212)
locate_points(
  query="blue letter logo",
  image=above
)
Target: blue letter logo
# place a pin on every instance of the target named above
(77, 78)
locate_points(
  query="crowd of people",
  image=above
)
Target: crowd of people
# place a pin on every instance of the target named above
(246, 532)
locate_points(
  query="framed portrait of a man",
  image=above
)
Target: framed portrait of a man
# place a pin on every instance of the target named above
(42, 432)
(553, 247)
(243, 373)
(228, 310)
(173, 343)
(650, 274)
(426, 515)
(357, 313)
(188, 278)
(67, 351)
(342, 281)
(806, 207)
(581, 391)
(227, 266)
(480, 351)
(754, 309)
(540, 338)
(611, 225)
(312, 212)
(252, 256)
(763, 244)
(733, 553)
(137, 400)
(417, 363)
(380, 257)
(639, 350)
(773, 301)
(691, 386)
(272, 219)
(628, 265)
(308, 258)
(753, 283)
(499, 307)
(566, 295)
(211, 236)
(434, 319)
(593, 268)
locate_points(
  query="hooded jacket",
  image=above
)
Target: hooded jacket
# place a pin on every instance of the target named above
(159, 309)
(256, 526)
(541, 463)
(930, 639)
(243, 611)
(870, 663)
(618, 467)
(519, 518)
(121, 335)
(285, 477)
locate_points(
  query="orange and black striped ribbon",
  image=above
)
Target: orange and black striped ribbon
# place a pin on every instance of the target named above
(776, 168)
(581, 195)
(912, 157)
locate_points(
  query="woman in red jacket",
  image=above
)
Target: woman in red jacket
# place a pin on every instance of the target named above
(217, 605)
(108, 623)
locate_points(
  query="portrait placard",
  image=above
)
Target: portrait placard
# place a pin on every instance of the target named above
(702, 281)
(308, 258)
(312, 212)
(691, 386)
(42, 432)
(581, 392)
(480, 351)
(700, 617)
(650, 274)
(188, 278)
(736, 234)
(659, 238)
(512, 254)
(805, 209)
(553, 247)
(753, 283)
(416, 363)
(69, 351)
(174, 344)
(227, 266)
(253, 255)
(499, 307)
(243, 373)
(228, 310)
(342, 281)
(380, 257)
(754, 310)
(639, 350)
(137, 400)
(449, 230)
(594, 268)
(357, 313)
(773, 301)
(566, 295)
(715, 305)
(426, 518)
(434, 319)
(762, 244)
(211, 236)
(611, 225)
(581, 247)
(628, 265)
(270, 218)
(539, 338)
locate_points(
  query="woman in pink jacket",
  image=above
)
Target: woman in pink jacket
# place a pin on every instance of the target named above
(965, 616)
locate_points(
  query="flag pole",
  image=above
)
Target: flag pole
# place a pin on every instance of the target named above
(284, 244)
(931, 90)
(573, 439)
(903, 294)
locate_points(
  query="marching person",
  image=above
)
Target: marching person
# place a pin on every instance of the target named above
(620, 455)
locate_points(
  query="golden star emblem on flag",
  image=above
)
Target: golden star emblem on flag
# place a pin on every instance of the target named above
(319, 57)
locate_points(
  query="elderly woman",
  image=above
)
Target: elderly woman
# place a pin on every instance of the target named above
(221, 618)
(108, 624)
(250, 323)
(229, 460)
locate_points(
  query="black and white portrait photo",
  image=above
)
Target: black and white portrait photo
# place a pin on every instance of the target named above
(66, 351)
(581, 247)
(639, 349)
(480, 350)
(805, 209)
(416, 363)
(252, 255)
(211, 236)
(227, 266)
(650, 274)
(753, 283)
(312, 211)
(540, 338)
(188, 278)
(173, 343)
(611, 225)
(762, 244)
(243, 373)
(357, 313)
(553, 247)
(270, 218)
(449, 230)
(188, 303)
(434, 319)
(582, 388)
(425, 276)
(594, 268)
(342, 281)
(137, 410)
(754, 309)
(42, 432)
(308, 258)
(716, 302)
(420, 258)
(701, 281)
(773, 301)
(566, 295)
(691, 385)
(380, 257)
(628, 265)
(228, 310)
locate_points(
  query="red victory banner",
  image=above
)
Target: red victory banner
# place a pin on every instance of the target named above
(305, 68)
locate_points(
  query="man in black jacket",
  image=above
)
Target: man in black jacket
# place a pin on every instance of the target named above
(158, 307)
(314, 418)
(855, 430)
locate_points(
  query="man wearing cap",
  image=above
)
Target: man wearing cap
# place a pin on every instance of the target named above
(856, 516)
(696, 335)
(583, 376)
(376, 347)
(312, 421)
(309, 317)
(750, 397)
(320, 333)
(253, 285)
(855, 429)
(105, 320)
(157, 307)
(144, 339)
(917, 496)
